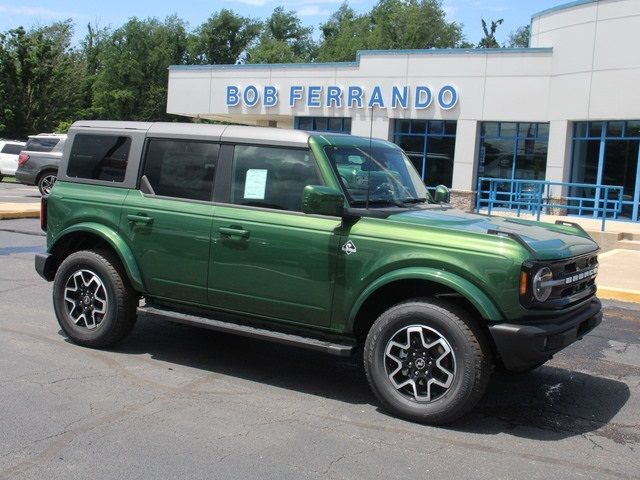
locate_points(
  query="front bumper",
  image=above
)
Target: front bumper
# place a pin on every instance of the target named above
(46, 266)
(525, 345)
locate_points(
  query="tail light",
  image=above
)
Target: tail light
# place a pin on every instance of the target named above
(43, 213)
(22, 159)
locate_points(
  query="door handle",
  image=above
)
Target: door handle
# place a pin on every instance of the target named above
(140, 219)
(234, 232)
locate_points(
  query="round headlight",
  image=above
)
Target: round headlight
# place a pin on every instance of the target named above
(541, 293)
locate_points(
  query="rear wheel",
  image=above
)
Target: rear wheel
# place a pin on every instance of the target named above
(427, 361)
(46, 182)
(92, 298)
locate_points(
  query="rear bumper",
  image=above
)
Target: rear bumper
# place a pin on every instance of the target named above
(46, 266)
(26, 177)
(524, 345)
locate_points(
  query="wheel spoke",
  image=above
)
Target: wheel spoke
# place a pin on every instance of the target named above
(420, 363)
(85, 298)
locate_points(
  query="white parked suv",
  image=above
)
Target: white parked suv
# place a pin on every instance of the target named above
(9, 151)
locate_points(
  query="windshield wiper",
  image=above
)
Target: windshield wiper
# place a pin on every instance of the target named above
(377, 203)
(414, 200)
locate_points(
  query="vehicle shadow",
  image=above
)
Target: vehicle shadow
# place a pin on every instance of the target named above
(548, 404)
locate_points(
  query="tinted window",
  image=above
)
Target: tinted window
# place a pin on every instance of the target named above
(272, 177)
(12, 149)
(99, 157)
(41, 144)
(181, 169)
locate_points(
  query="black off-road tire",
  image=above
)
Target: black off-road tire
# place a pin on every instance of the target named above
(469, 346)
(122, 299)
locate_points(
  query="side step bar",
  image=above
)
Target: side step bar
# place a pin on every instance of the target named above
(338, 349)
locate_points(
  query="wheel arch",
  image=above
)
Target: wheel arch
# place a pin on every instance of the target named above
(89, 235)
(408, 283)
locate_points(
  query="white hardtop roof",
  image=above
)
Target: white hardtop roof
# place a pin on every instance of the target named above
(201, 131)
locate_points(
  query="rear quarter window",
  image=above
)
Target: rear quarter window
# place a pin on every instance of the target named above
(12, 149)
(41, 144)
(99, 157)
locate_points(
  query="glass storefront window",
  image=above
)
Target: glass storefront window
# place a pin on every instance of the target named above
(607, 153)
(324, 124)
(430, 145)
(513, 150)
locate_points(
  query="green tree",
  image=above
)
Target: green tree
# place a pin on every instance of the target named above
(283, 40)
(223, 38)
(520, 38)
(131, 83)
(391, 24)
(39, 81)
(489, 39)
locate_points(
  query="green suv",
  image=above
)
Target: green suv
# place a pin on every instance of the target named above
(324, 241)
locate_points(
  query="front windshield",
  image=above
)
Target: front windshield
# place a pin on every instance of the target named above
(377, 175)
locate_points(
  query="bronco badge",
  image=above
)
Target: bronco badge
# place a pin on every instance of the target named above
(349, 248)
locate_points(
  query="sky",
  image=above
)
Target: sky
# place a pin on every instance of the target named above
(312, 12)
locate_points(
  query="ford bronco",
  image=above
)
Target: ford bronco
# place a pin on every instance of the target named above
(324, 241)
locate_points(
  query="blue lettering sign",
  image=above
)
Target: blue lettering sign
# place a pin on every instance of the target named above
(251, 97)
(295, 94)
(334, 95)
(233, 98)
(313, 97)
(447, 97)
(376, 98)
(270, 96)
(423, 97)
(355, 96)
(400, 98)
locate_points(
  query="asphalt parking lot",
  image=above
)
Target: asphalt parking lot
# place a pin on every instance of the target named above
(179, 402)
(16, 193)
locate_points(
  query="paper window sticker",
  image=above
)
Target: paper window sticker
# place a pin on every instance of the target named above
(255, 184)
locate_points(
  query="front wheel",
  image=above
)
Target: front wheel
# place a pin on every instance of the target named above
(93, 300)
(427, 361)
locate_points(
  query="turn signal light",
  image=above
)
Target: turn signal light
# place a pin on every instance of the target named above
(43, 213)
(524, 280)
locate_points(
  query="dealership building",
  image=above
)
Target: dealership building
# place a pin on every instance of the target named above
(567, 109)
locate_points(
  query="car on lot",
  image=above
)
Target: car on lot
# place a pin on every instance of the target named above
(39, 161)
(325, 241)
(9, 151)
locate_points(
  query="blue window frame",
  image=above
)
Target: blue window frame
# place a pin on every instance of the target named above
(430, 145)
(608, 153)
(324, 124)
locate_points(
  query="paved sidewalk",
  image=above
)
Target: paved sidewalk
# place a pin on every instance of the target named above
(618, 276)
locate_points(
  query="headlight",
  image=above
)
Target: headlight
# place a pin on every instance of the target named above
(541, 293)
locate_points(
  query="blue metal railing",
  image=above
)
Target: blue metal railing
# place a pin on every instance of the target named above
(535, 197)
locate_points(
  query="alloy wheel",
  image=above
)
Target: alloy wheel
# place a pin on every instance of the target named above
(85, 298)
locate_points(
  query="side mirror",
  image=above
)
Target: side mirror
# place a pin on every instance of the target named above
(321, 200)
(442, 194)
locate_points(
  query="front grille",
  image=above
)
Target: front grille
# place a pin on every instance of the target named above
(574, 279)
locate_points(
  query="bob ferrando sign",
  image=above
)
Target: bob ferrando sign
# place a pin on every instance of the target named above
(351, 97)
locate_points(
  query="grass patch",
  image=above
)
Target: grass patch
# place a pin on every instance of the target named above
(9, 179)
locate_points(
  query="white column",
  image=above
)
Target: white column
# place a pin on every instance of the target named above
(363, 126)
(466, 155)
(559, 154)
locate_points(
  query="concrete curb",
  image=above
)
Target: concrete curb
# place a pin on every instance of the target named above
(23, 214)
(620, 294)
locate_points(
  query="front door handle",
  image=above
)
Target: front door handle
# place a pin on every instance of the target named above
(234, 232)
(140, 218)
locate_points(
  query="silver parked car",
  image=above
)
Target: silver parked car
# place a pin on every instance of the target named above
(38, 162)
(9, 151)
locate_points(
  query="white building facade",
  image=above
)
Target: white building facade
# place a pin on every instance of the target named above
(567, 109)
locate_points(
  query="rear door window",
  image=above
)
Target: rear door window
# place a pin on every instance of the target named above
(41, 144)
(181, 168)
(99, 157)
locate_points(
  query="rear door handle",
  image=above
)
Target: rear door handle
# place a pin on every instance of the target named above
(234, 232)
(140, 218)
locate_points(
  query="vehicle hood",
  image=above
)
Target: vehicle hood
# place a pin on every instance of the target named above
(545, 241)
